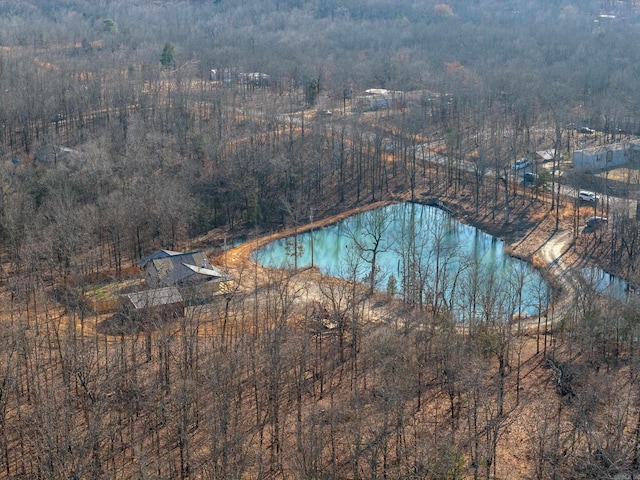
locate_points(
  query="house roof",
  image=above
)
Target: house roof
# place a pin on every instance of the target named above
(171, 268)
(601, 149)
(611, 147)
(377, 91)
(157, 254)
(210, 271)
(546, 155)
(155, 298)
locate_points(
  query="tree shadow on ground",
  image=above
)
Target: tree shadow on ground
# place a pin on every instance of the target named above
(127, 324)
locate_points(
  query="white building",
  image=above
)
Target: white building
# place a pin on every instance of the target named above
(379, 99)
(607, 156)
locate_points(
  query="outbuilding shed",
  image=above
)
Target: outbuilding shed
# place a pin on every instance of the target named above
(159, 303)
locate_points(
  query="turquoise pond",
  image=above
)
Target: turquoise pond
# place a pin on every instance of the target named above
(434, 258)
(608, 284)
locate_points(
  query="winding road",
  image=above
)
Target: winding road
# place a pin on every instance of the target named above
(563, 266)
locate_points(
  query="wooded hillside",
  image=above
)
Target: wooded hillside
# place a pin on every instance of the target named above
(128, 127)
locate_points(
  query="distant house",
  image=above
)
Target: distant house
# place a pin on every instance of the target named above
(50, 155)
(256, 79)
(235, 76)
(227, 75)
(607, 156)
(545, 155)
(379, 99)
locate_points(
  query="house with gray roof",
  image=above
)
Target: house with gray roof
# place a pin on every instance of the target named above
(545, 155)
(166, 268)
(155, 255)
(177, 278)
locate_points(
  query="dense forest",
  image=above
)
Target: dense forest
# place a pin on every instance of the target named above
(128, 127)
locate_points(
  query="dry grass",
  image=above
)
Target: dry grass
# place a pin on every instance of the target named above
(623, 174)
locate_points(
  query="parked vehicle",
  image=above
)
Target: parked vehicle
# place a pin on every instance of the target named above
(595, 222)
(587, 130)
(588, 196)
(520, 164)
(530, 178)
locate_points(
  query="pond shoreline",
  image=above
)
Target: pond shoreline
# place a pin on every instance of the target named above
(530, 240)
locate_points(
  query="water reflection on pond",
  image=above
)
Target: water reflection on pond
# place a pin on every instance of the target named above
(610, 285)
(432, 258)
